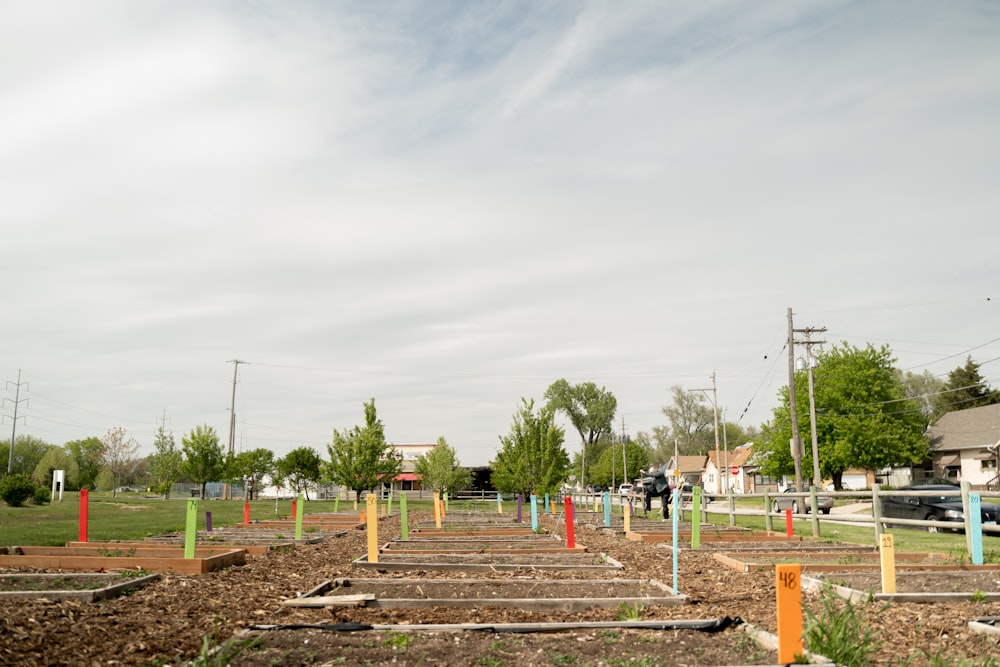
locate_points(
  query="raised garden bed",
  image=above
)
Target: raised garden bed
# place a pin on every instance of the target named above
(86, 587)
(490, 562)
(480, 546)
(102, 558)
(534, 595)
(471, 531)
(838, 561)
(934, 586)
(251, 546)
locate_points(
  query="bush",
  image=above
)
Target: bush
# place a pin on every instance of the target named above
(16, 489)
(41, 495)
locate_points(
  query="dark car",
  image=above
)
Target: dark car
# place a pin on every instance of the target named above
(935, 508)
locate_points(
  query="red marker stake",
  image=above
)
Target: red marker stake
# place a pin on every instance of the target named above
(789, 531)
(246, 514)
(293, 509)
(570, 536)
(84, 513)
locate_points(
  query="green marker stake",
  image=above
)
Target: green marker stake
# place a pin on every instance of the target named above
(191, 531)
(696, 517)
(336, 502)
(402, 516)
(301, 506)
(445, 501)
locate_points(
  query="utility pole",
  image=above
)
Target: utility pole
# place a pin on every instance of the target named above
(13, 428)
(793, 414)
(720, 487)
(232, 419)
(624, 451)
(808, 342)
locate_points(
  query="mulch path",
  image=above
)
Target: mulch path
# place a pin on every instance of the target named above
(167, 622)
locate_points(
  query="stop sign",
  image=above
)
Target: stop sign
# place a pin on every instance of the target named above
(735, 470)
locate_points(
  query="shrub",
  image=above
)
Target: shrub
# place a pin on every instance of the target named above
(16, 489)
(41, 495)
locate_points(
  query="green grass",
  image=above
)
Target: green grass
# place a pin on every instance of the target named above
(131, 516)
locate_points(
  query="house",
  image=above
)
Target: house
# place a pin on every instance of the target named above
(691, 468)
(965, 447)
(409, 479)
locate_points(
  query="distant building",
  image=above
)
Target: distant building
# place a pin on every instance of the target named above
(965, 447)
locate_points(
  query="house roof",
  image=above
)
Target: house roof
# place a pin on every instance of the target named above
(966, 429)
(688, 464)
(737, 457)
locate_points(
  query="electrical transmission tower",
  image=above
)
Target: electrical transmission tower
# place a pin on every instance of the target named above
(17, 402)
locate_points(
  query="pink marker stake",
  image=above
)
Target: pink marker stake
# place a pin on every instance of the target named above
(84, 513)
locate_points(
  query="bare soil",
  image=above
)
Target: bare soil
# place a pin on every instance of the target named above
(168, 621)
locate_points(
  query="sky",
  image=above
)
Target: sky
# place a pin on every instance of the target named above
(447, 206)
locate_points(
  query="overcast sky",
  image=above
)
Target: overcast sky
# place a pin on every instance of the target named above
(448, 206)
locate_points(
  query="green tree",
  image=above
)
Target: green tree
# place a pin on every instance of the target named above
(301, 467)
(531, 459)
(56, 458)
(166, 462)
(118, 453)
(964, 389)
(692, 422)
(360, 457)
(251, 467)
(924, 389)
(609, 469)
(591, 411)
(864, 418)
(87, 454)
(440, 470)
(28, 451)
(204, 460)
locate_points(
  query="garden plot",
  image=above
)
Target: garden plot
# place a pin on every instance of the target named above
(933, 586)
(797, 546)
(838, 561)
(85, 587)
(555, 595)
(101, 558)
(470, 531)
(663, 532)
(485, 546)
(490, 562)
(254, 546)
(327, 524)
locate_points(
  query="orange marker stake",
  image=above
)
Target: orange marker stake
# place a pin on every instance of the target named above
(246, 514)
(789, 530)
(887, 559)
(361, 517)
(789, 612)
(372, 529)
(437, 509)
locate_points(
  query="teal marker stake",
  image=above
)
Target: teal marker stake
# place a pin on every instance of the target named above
(301, 506)
(607, 509)
(499, 504)
(676, 525)
(547, 507)
(191, 531)
(696, 518)
(402, 515)
(534, 513)
(976, 524)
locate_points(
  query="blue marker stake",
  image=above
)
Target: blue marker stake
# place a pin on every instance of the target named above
(607, 509)
(546, 506)
(534, 512)
(976, 524)
(676, 525)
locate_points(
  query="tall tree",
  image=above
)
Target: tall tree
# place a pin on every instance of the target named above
(965, 388)
(118, 453)
(692, 422)
(924, 389)
(251, 467)
(28, 451)
(87, 453)
(204, 460)
(300, 468)
(864, 418)
(591, 411)
(56, 458)
(360, 457)
(531, 458)
(609, 469)
(440, 470)
(166, 462)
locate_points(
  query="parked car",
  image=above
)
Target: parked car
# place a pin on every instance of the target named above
(794, 503)
(625, 490)
(935, 508)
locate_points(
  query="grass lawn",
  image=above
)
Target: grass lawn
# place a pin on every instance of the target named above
(131, 516)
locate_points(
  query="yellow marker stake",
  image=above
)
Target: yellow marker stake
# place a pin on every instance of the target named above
(385, 509)
(789, 612)
(887, 556)
(628, 521)
(437, 509)
(372, 529)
